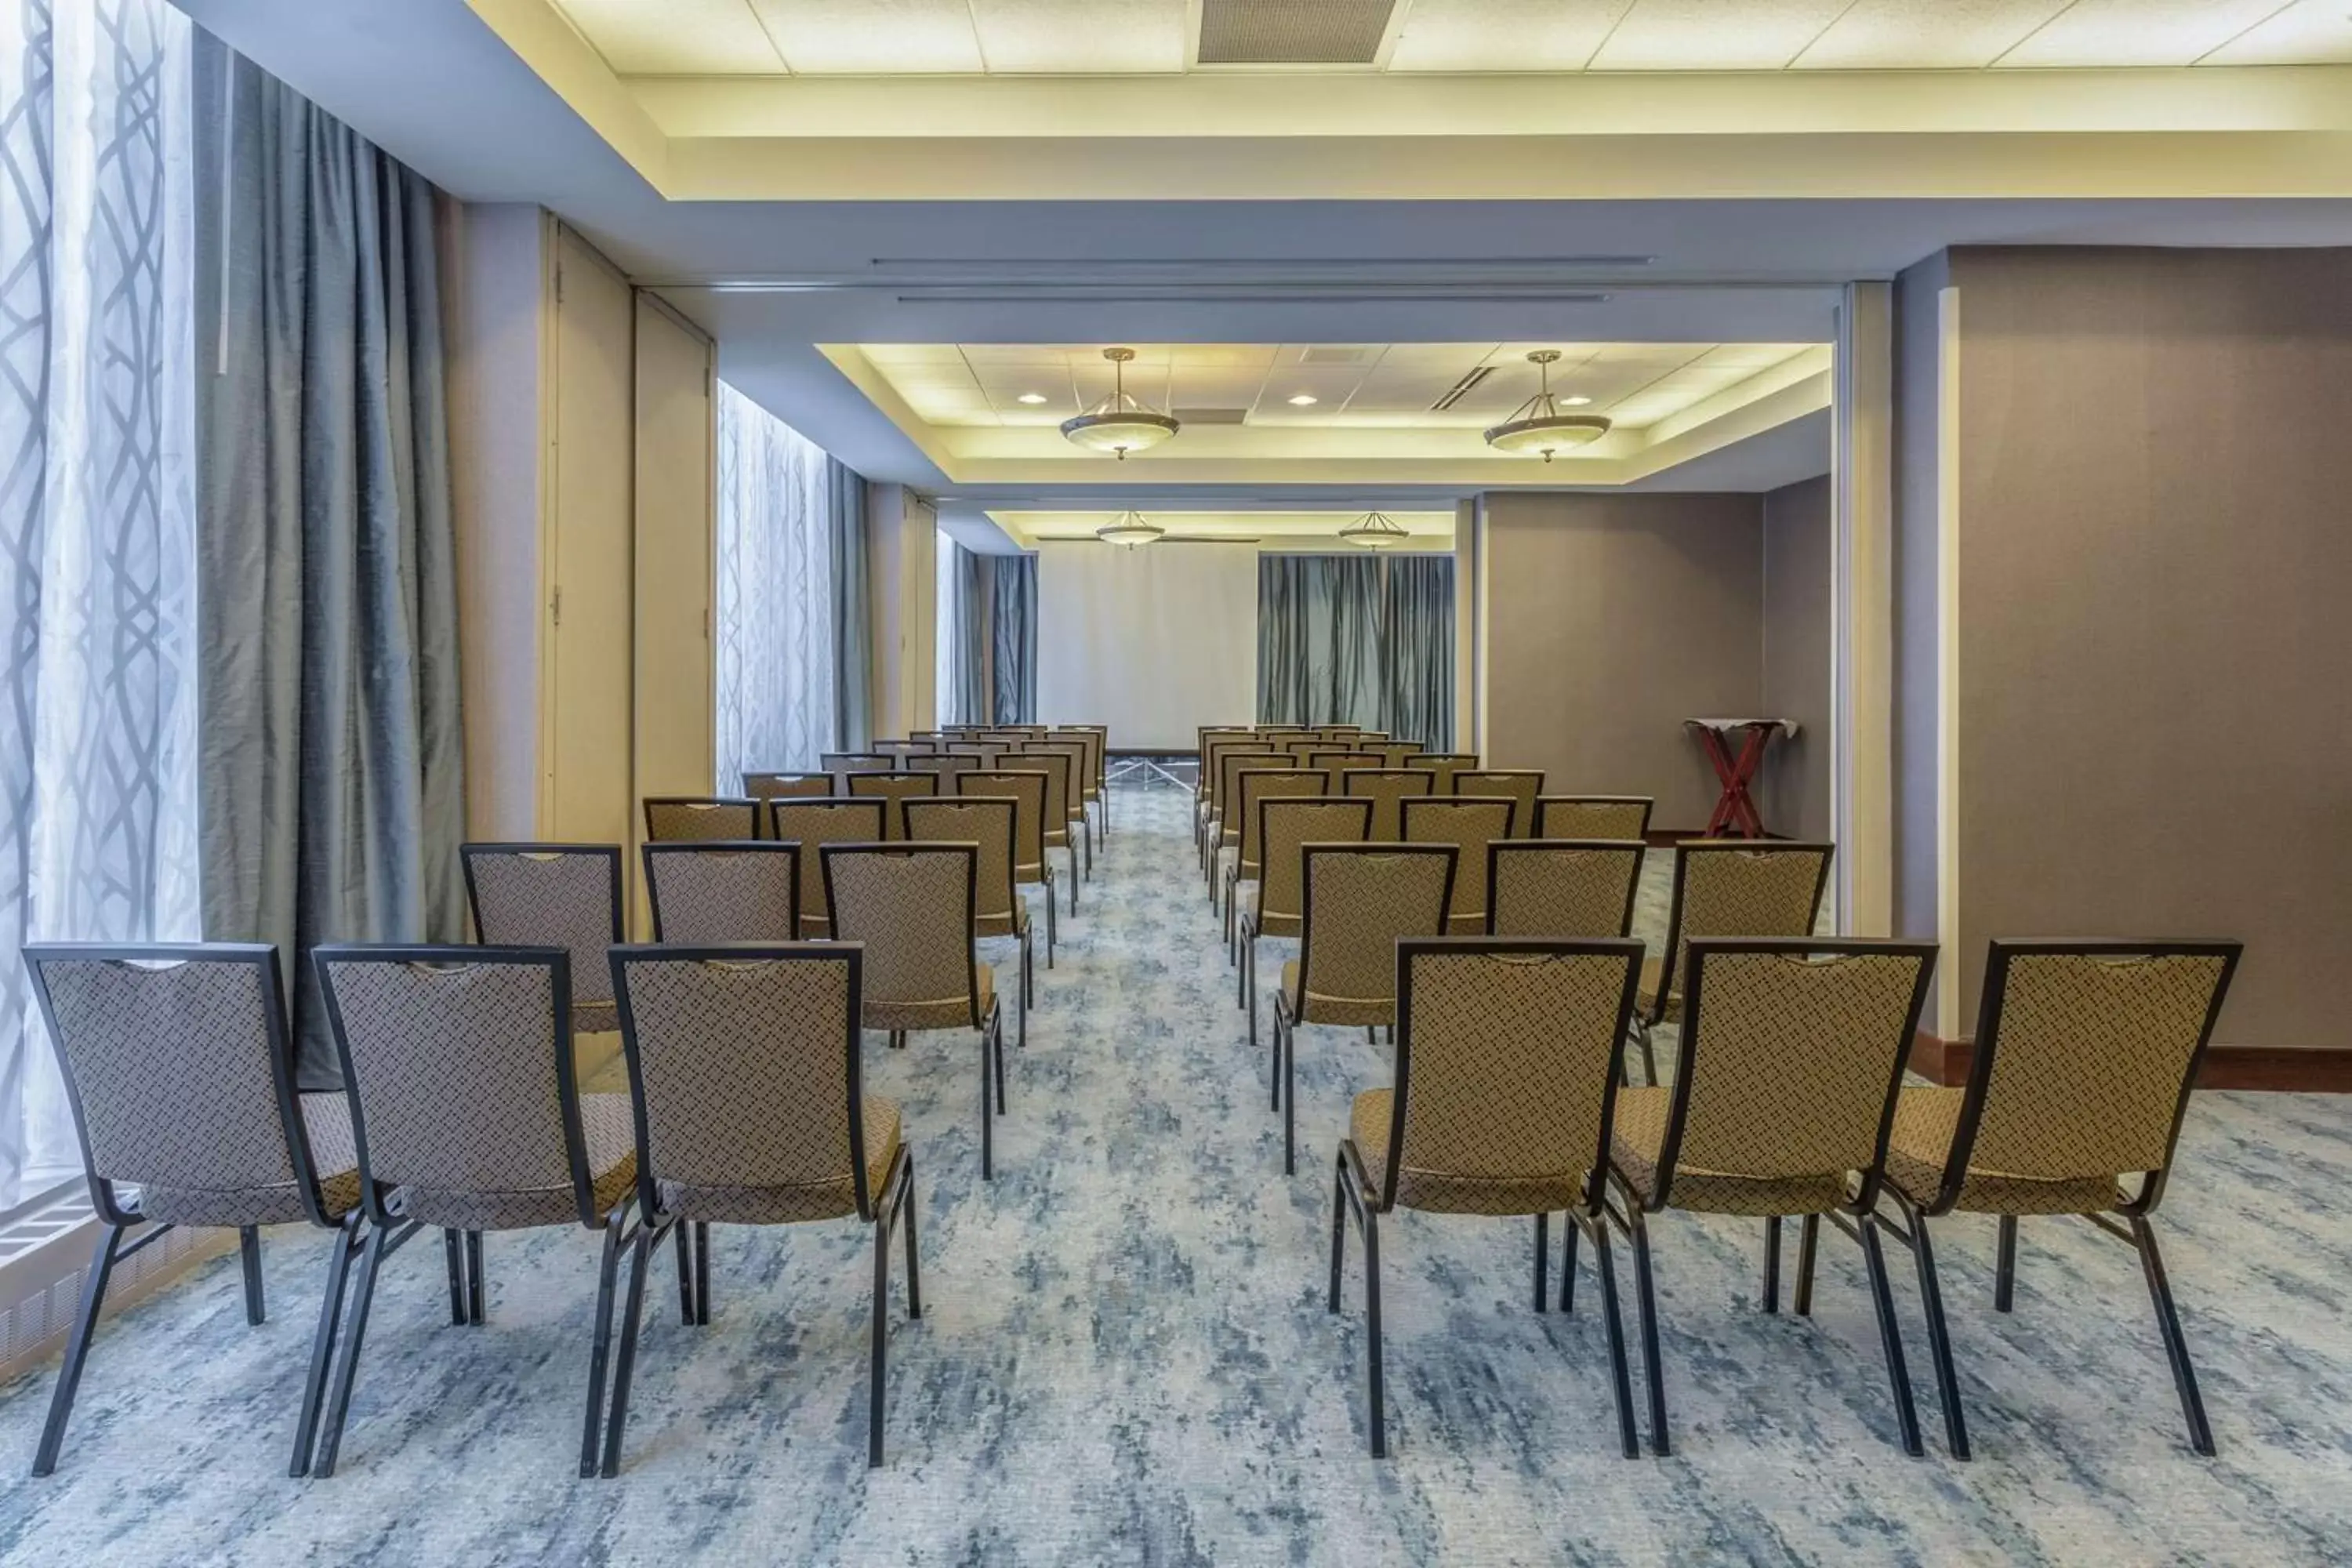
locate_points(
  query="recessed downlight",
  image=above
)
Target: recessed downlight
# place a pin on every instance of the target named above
(1303, 400)
(1031, 398)
(1578, 402)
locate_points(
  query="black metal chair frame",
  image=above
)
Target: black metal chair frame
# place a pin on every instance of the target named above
(654, 854)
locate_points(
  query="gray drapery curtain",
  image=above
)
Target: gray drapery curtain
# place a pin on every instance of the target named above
(329, 756)
(853, 638)
(1358, 640)
(968, 648)
(1012, 638)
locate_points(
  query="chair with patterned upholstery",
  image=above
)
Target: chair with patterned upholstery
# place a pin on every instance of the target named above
(746, 1072)
(557, 895)
(1562, 886)
(1054, 820)
(179, 1072)
(942, 766)
(1360, 900)
(672, 819)
(1078, 755)
(1030, 866)
(712, 892)
(1792, 1051)
(812, 825)
(1387, 789)
(775, 786)
(1252, 788)
(1213, 741)
(839, 766)
(1593, 816)
(1470, 824)
(1520, 786)
(1273, 901)
(467, 1115)
(1392, 753)
(1095, 773)
(916, 908)
(897, 789)
(2084, 1055)
(1728, 887)
(1505, 1078)
(1445, 765)
(990, 825)
(1224, 826)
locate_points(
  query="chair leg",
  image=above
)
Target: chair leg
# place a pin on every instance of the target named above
(1028, 985)
(1809, 1235)
(1568, 1265)
(340, 1252)
(453, 1247)
(1543, 1260)
(987, 1119)
(1939, 1335)
(1074, 881)
(474, 1283)
(2004, 1278)
(996, 1042)
(93, 1297)
(626, 1365)
(1612, 1318)
(914, 1266)
(703, 1272)
(330, 1441)
(682, 1236)
(1288, 1041)
(877, 1373)
(1339, 1232)
(1049, 915)
(1273, 1071)
(1646, 1301)
(248, 1252)
(1773, 1263)
(1906, 1413)
(601, 1350)
(2176, 1347)
(1375, 1402)
(1650, 1056)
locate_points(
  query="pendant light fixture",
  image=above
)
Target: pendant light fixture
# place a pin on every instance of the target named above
(1120, 424)
(1539, 425)
(1375, 531)
(1129, 530)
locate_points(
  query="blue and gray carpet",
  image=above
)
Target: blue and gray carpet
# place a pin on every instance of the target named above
(1124, 1356)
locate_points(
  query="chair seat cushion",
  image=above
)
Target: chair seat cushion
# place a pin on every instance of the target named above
(1639, 1135)
(1652, 971)
(608, 1128)
(1269, 923)
(1013, 921)
(787, 1204)
(1921, 1142)
(942, 1013)
(1453, 1192)
(327, 1118)
(1316, 1008)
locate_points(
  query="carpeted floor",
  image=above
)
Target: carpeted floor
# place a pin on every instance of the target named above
(1124, 1356)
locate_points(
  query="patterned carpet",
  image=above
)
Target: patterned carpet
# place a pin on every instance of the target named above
(1125, 1357)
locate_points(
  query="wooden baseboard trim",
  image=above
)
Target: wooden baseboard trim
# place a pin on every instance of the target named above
(2282, 1069)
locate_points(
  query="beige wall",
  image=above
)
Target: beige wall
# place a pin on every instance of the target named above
(1793, 792)
(902, 550)
(1917, 369)
(1611, 618)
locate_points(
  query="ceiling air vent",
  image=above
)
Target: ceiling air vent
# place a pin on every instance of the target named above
(1461, 389)
(1292, 32)
(1211, 415)
(1338, 353)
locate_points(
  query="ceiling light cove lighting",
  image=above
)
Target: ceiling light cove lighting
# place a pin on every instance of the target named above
(1375, 531)
(1539, 425)
(1120, 424)
(1129, 530)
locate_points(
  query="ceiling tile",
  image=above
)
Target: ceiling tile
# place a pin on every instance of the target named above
(1709, 35)
(2309, 32)
(873, 35)
(1504, 35)
(1925, 35)
(1105, 36)
(675, 37)
(2138, 32)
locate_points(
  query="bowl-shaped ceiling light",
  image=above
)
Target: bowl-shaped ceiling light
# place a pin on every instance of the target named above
(1129, 530)
(1119, 424)
(1539, 425)
(1375, 531)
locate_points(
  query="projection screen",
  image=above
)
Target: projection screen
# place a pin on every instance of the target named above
(1153, 642)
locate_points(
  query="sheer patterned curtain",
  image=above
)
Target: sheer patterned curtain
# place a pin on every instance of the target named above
(1012, 638)
(776, 654)
(98, 765)
(1358, 640)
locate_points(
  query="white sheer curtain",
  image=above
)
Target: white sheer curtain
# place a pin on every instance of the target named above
(946, 635)
(775, 646)
(98, 781)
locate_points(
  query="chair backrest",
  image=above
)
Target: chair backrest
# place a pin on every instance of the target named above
(901, 750)
(1361, 900)
(672, 819)
(1081, 768)
(713, 892)
(1214, 743)
(989, 825)
(1444, 764)
(1028, 792)
(1332, 762)
(1793, 1051)
(1520, 786)
(1285, 827)
(1258, 785)
(1562, 886)
(1506, 1064)
(1392, 753)
(550, 895)
(1299, 745)
(1593, 816)
(1096, 741)
(915, 908)
(2085, 1052)
(1056, 769)
(1231, 762)
(897, 789)
(458, 1063)
(745, 1067)
(179, 1075)
(841, 765)
(814, 824)
(1738, 887)
(1387, 789)
(943, 768)
(1470, 824)
(771, 786)
(982, 752)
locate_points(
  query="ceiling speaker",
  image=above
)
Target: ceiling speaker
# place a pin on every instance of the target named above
(1292, 32)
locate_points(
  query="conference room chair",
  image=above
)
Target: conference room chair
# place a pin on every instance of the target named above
(1507, 1068)
(814, 824)
(900, 750)
(1470, 824)
(1225, 821)
(1079, 757)
(179, 1070)
(2083, 1058)
(942, 767)
(1445, 765)
(1593, 816)
(674, 818)
(1562, 886)
(1251, 789)
(746, 1072)
(1212, 742)
(1274, 902)
(1298, 745)
(1336, 762)
(896, 789)
(1095, 769)
(1338, 729)
(916, 908)
(460, 1123)
(1056, 816)
(1285, 729)
(1387, 789)
(772, 787)
(841, 765)
(1520, 786)
(989, 825)
(1728, 887)
(1030, 866)
(1392, 753)
(1034, 732)
(1792, 1051)
(1360, 900)
(1370, 737)
(745, 891)
(556, 895)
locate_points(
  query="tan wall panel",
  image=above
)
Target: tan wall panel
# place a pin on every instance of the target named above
(1793, 792)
